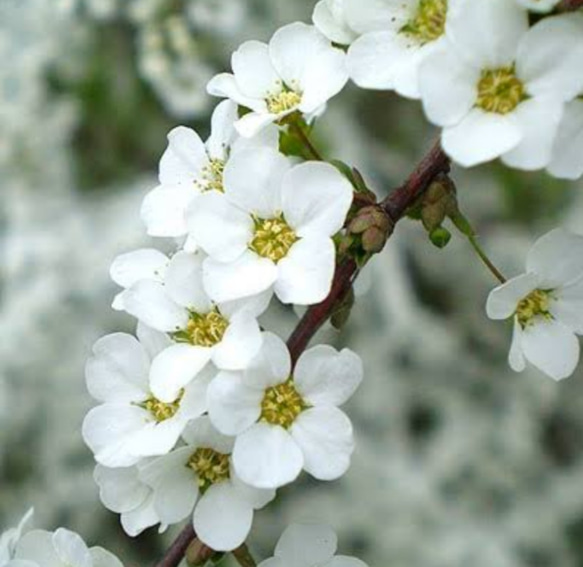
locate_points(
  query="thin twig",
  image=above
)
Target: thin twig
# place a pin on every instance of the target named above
(175, 553)
(304, 138)
(569, 5)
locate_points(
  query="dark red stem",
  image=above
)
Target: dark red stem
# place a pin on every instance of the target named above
(175, 553)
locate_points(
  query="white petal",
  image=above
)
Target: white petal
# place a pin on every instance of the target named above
(330, 20)
(504, 299)
(175, 485)
(149, 302)
(256, 497)
(480, 137)
(557, 258)
(266, 456)
(271, 366)
(538, 119)
(254, 305)
(539, 5)
(241, 343)
(201, 433)
(140, 518)
(120, 489)
(568, 306)
(220, 229)
(375, 15)
(325, 437)
(248, 275)
(222, 520)
(144, 264)
(343, 561)
(184, 282)
(223, 132)
(233, 407)
(253, 180)
(102, 558)
(184, 158)
(307, 544)
(316, 198)
(156, 439)
(225, 85)
(175, 367)
(108, 430)
(37, 546)
(118, 369)
(254, 123)
(324, 376)
(164, 209)
(487, 33)
(305, 275)
(154, 342)
(551, 347)
(549, 57)
(567, 162)
(71, 549)
(254, 71)
(448, 86)
(193, 402)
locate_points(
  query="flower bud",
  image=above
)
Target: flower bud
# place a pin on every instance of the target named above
(440, 237)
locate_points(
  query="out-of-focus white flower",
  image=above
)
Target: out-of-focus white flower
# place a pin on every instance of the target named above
(272, 228)
(309, 546)
(567, 161)
(132, 423)
(298, 70)
(286, 422)
(199, 477)
(396, 37)
(63, 548)
(539, 5)
(547, 306)
(123, 491)
(10, 538)
(190, 167)
(497, 87)
(226, 333)
(132, 267)
(330, 18)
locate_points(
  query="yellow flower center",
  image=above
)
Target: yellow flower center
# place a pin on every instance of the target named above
(210, 467)
(272, 238)
(283, 101)
(203, 329)
(500, 90)
(429, 21)
(535, 304)
(161, 411)
(212, 176)
(282, 404)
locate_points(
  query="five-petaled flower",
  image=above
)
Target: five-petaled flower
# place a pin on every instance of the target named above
(298, 71)
(285, 422)
(546, 304)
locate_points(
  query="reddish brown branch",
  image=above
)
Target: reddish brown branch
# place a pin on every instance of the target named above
(395, 205)
(570, 5)
(434, 163)
(175, 553)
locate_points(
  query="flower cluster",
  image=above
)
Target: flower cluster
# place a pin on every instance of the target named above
(497, 86)
(205, 414)
(39, 548)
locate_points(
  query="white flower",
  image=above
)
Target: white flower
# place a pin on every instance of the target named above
(132, 267)
(567, 161)
(539, 5)
(547, 306)
(286, 422)
(123, 491)
(297, 71)
(309, 546)
(10, 538)
(497, 87)
(226, 333)
(330, 18)
(132, 423)
(272, 229)
(396, 37)
(62, 548)
(190, 167)
(199, 477)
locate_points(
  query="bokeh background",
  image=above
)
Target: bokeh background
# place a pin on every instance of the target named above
(459, 462)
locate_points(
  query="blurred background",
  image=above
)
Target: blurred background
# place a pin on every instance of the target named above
(459, 462)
